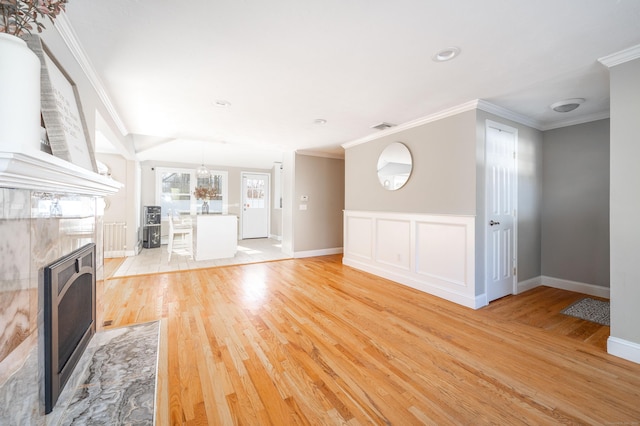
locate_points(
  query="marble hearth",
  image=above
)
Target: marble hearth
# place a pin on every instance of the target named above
(48, 208)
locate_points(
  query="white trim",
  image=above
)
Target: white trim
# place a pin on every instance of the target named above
(68, 34)
(43, 172)
(508, 114)
(314, 253)
(623, 349)
(311, 153)
(482, 105)
(275, 237)
(578, 120)
(529, 284)
(406, 248)
(119, 253)
(468, 106)
(621, 57)
(590, 289)
(473, 302)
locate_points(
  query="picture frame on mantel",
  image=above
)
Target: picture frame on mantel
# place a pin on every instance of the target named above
(62, 114)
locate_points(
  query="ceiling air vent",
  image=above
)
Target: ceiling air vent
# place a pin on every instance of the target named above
(383, 126)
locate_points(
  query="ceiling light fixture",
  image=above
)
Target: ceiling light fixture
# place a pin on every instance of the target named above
(566, 105)
(320, 121)
(202, 172)
(222, 104)
(446, 54)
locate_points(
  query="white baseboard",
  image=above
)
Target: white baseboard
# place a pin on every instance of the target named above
(275, 237)
(529, 284)
(119, 253)
(578, 287)
(314, 253)
(473, 302)
(624, 349)
(590, 289)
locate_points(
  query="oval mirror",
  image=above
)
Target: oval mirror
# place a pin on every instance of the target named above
(394, 166)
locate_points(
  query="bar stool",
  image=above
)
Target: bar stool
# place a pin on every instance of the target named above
(183, 230)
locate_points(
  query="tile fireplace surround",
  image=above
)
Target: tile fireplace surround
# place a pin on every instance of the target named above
(48, 208)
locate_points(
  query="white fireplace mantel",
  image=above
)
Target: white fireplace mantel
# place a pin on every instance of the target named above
(39, 171)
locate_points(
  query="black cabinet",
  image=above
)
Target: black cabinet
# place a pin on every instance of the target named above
(151, 230)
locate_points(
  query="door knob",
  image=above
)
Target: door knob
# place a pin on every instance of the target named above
(493, 223)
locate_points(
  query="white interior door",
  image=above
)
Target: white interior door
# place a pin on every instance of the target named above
(501, 191)
(255, 205)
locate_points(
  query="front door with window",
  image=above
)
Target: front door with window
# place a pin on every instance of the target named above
(255, 205)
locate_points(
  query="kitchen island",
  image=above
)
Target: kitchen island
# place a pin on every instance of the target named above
(215, 236)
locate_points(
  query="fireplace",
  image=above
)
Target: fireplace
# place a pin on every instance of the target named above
(69, 317)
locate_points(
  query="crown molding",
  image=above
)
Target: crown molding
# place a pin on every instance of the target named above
(621, 57)
(508, 114)
(68, 34)
(312, 153)
(467, 106)
(578, 120)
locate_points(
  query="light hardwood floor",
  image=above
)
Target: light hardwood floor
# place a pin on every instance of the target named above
(310, 341)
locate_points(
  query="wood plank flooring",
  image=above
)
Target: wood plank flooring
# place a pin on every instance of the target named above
(310, 341)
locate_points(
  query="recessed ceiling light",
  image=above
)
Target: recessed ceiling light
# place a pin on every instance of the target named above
(320, 121)
(446, 54)
(566, 105)
(222, 104)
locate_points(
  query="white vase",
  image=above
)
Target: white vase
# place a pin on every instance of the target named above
(19, 96)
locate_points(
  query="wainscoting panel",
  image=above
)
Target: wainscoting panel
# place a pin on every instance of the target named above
(431, 253)
(393, 243)
(358, 232)
(442, 252)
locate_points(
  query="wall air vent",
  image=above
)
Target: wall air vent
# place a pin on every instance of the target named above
(383, 126)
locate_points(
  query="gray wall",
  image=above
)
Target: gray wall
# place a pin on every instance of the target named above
(625, 201)
(443, 180)
(448, 178)
(319, 227)
(575, 203)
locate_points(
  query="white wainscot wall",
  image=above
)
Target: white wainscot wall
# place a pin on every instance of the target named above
(431, 253)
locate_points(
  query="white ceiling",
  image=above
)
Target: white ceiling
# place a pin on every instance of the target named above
(284, 63)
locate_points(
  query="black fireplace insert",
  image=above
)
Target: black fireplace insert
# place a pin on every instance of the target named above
(69, 317)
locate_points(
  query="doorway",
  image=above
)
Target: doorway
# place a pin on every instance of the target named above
(500, 210)
(255, 205)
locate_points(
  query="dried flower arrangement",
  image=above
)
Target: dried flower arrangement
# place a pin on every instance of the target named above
(18, 17)
(204, 193)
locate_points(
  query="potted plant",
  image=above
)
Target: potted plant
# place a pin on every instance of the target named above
(20, 72)
(204, 193)
(20, 17)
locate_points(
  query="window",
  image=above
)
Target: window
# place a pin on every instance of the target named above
(174, 191)
(218, 182)
(255, 193)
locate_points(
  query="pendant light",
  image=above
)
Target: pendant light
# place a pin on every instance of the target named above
(202, 172)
